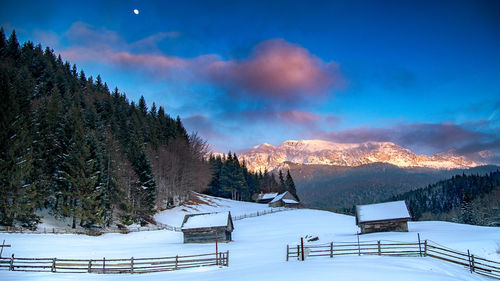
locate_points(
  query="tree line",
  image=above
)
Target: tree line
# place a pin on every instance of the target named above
(470, 199)
(231, 179)
(71, 146)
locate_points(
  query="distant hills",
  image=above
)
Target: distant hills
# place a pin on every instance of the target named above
(336, 188)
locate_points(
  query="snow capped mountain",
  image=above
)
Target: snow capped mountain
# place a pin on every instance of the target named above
(321, 152)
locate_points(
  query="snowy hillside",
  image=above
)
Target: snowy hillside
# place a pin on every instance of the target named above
(259, 248)
(200, 203)
(321, 152)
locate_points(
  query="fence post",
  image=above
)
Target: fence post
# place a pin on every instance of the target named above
(11, 267)
(425, 248)
(359, 249)
(302, 247)
(379, 248)
(331, 249)
(177, 261)
(227, 258)
(419, 247)
(132, 265)
(104, 265)
(298, 251)
(53, 269)
(90, 266)
(472, 263)
(287, 251)
(1, 250)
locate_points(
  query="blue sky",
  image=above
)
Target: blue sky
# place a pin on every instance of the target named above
(422, 74)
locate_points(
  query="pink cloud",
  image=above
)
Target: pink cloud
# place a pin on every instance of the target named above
(275, 69)
(302, 117)
(278, 69)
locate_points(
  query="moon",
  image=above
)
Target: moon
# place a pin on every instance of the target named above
(136, 11)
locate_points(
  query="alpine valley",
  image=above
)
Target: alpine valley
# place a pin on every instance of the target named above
(336, 176)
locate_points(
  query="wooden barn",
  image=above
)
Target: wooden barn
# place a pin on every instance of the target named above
(205, 227)
(390, 216)
(285, 199)
(265, 198)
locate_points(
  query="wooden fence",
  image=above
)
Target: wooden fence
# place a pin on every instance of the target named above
(99, 231)
(419, 249)
(113, 266)
(261, 213)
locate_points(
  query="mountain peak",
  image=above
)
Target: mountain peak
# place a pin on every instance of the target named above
(321, 152)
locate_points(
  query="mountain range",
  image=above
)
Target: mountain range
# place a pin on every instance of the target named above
(336, 176)
(319, 152)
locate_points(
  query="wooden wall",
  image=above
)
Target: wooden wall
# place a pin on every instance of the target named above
(382, 226)
(206, 236)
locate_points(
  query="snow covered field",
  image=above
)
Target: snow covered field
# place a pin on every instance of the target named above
(259, 249)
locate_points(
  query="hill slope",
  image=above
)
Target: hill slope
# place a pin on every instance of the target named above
(334, 188)
(259, 247)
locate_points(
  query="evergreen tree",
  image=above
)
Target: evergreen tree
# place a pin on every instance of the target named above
(3, 43)
(290, 185)
(283, 187)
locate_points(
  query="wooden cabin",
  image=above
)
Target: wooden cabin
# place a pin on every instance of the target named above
(265, 198)
(285, 199)
(207, 227)
(390, 216)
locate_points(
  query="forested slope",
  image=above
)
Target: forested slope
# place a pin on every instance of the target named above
(70, 145)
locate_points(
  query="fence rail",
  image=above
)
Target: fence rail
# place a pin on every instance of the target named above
(99, 231)
(418, 249)
(113, 266)
(260, 213)
(89, 231)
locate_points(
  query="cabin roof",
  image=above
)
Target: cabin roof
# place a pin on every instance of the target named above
(284, 196)
(382, 211)
(265, 196)
(206, 220)
(290, 201)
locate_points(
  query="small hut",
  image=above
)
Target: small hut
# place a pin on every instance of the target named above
(207, 227)
(285, 199)
(390, 216)
(265, 198)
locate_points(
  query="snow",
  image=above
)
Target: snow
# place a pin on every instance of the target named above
(278, 198)
(208, 204)
(382, 211)
(259, 249)
(206, 220)
(290, 201)
(267, 195)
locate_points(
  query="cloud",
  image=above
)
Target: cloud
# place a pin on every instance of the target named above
(47, 38)
(277, 69)
(292, 118)
(202, 125)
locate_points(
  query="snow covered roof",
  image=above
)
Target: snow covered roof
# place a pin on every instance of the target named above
(278, 198)
(206, 220)
(290, 201)
(382, 211)
(267, 196)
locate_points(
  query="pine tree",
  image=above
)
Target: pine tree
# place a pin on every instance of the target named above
(3, 43)
(290, 185)
(143, 108)
(283, 187)
(12, 47)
